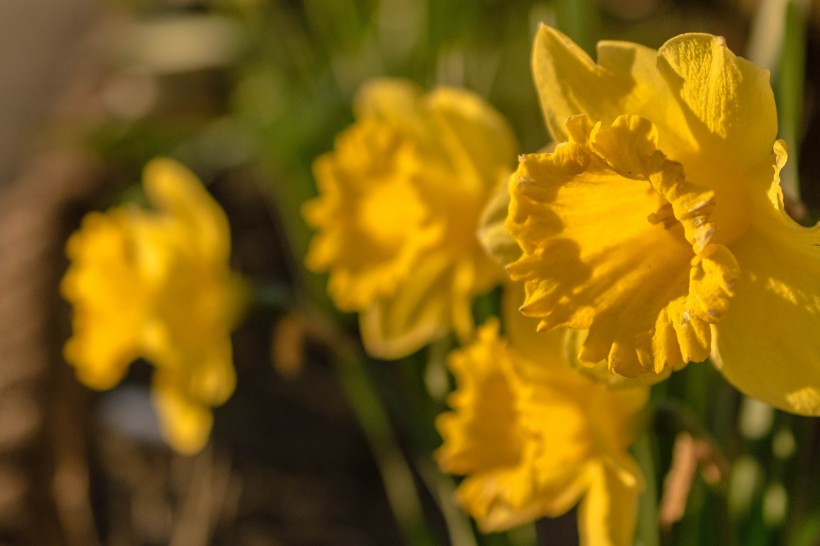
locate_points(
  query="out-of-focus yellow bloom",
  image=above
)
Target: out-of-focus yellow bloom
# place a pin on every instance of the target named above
(534, 437)
(658, 221)
(398, 209)
(156, 284)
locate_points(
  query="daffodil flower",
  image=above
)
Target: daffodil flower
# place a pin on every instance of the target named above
(400, 197)
(535, 437)
(156, 284)
(658, 221)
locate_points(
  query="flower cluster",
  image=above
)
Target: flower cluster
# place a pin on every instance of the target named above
(155, 284)
(652, 235)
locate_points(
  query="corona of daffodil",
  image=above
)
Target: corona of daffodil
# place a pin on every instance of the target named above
(658, 220)
(155, 284)
(535, 437)
(398, 209)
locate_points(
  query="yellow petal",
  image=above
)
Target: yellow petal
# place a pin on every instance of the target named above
(608, 512)
(484, 438)
(600, 372)
(579, 419)
(421, 311)
(206, 361)
(767, 344)
(554, 353)
(181, 197)
(626, 80)
(545, 349)
(729, 101)
(486, 496)
(185, 424)
(497, 242)
(395, 102)
(482, 431)
(559, 349)
(616, 241)
(479, 149)
(110, 298)
(511, 496)
(481, 143)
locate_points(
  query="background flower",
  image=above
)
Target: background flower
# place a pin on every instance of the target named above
(155, 284)
(535, 436)
(399, 203)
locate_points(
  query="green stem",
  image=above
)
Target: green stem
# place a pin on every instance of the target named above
(442, 487)
(270, 297)
(396, 474)
(579, 19)
(778, 42)
(647, 533)
(790, 82)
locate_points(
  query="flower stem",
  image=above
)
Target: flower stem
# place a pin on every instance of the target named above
(271, 297)
(579, 20)
(397, 477)
(790, 82)
(778, 42)
(647, 533)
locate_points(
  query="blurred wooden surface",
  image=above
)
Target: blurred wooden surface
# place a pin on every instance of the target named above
(36, 39)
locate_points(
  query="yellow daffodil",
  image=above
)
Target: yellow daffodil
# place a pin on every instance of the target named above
(534, 437)
(658, 221)
(156, 284)
(399, 202)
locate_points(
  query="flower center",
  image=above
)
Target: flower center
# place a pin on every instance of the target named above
(391, 212)
(616, 240)
(629, 148)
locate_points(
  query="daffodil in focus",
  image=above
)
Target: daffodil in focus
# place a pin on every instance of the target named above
(534, 437)
(658, 221)
(156, 284)
(400, 197)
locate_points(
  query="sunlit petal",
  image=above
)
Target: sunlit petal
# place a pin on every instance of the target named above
(608, 512)
(397, 325)
(728, 101)
(767, 344)
(625, 80)
(180, 196)
(110, 299)
(185, 423)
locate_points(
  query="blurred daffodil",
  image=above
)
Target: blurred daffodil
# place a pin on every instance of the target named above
(658, 221)
(400, 197)
(534, 437)
(155, 284)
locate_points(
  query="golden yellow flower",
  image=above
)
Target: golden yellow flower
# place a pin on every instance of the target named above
(658, 221)
(399, 202)
(534, 437)
(156, 284)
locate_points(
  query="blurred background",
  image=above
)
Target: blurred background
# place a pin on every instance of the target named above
(247, 93)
